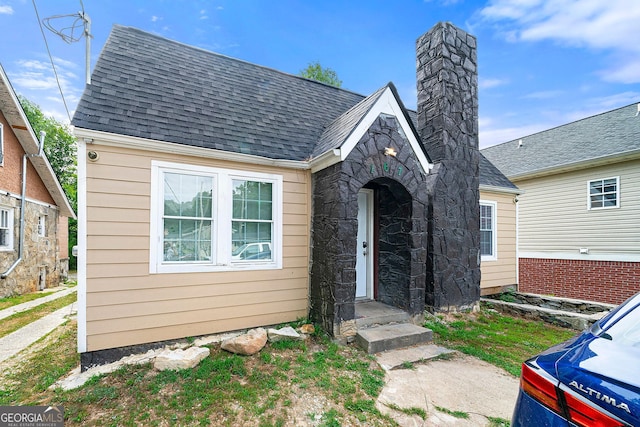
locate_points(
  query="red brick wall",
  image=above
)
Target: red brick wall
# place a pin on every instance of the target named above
(11, 172)
(604, 281)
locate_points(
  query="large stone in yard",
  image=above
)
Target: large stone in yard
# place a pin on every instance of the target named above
(285, 333)
(180, 359)
(247, 344)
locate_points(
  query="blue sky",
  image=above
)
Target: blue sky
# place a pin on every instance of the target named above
(542, 63)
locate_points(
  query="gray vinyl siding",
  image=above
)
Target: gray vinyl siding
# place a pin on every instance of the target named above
(554, 217)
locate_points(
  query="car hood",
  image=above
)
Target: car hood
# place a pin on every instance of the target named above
(607, 374)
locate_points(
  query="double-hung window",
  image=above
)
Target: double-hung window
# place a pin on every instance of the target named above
(6, 229)
(488, 239)
(214, 219)
(604, 193)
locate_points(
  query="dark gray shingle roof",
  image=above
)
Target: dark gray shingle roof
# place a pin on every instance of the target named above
(608, 134)
(150, 87)
(340, 129)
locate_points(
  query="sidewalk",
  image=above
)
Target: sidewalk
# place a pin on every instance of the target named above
(17, 341)
(36, 302)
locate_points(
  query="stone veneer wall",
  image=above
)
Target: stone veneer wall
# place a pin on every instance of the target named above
(40, 253)
(335, 224)
(448, 126)
(611, 282)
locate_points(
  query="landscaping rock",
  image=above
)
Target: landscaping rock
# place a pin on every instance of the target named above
(307, 329)
(247, 344)
(180, 359)
(286, 333)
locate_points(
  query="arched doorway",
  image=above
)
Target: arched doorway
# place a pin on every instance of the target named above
(383, 263)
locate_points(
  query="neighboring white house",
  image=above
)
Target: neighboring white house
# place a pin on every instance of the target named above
(579, 215)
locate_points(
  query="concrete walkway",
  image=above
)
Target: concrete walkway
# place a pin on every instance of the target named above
(459, 383)
(36, 302)
(15, 342)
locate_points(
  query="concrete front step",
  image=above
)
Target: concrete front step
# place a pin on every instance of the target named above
(370, 313)
(390, 337)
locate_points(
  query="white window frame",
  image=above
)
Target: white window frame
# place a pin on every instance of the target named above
(42, 226)
(1, 145)
(9, 226)
(221, 232)
(494, 230)
(589, 207)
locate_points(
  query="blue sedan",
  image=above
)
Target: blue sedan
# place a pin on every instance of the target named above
(590, 380)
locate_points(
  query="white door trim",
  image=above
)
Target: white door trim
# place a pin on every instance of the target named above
(364, 286)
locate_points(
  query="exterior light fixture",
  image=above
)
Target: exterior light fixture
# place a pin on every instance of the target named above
(389, 151)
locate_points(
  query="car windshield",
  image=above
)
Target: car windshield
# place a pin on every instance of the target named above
(239, 249)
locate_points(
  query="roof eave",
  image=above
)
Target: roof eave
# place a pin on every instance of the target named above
(498, 189)
(90, 136)
(570, 167)
(21, 127)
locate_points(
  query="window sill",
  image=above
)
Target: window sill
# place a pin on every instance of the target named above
(208, 268)
(486, 258)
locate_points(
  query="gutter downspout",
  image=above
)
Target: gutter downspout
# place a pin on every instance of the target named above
(22, 205)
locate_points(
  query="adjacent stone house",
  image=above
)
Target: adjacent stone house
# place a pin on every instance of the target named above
(33, 207)
(215, 194)
(580, 208)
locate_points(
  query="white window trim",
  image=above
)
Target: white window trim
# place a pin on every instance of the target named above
(589, 208)
(1, 145)
(9, 246)
(221, 233)
(494, 229)
(42, 226)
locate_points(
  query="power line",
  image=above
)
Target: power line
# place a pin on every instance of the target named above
(55, 72)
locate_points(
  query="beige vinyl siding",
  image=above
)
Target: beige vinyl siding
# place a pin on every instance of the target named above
(503, 271)
(554, 218)
(126, 305)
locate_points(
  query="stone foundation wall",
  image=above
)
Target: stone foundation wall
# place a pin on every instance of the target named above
(610, 282)
(41, 267)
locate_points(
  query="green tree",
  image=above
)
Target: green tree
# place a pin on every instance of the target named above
(61, 148)
(315, 71)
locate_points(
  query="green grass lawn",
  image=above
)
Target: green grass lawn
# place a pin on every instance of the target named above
(501, 340)
(19, 299)
(23, 318)
(316, 381)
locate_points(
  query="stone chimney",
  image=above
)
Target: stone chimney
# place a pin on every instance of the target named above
(448, 126)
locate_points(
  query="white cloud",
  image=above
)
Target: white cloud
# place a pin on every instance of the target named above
(489, 83)
(545, 94)
(489, 136)
(596, 24)
(6, 10)
(622, 72)
(34, 64)
(155, 18)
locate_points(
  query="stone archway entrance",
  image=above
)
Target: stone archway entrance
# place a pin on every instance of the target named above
(384, 243)
(394, 230)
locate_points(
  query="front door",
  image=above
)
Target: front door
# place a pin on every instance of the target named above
(364, 245)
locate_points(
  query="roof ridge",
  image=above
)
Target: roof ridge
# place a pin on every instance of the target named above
(563, 125)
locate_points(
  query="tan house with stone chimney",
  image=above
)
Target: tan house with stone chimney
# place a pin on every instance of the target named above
(225, 195)
(33, 207)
